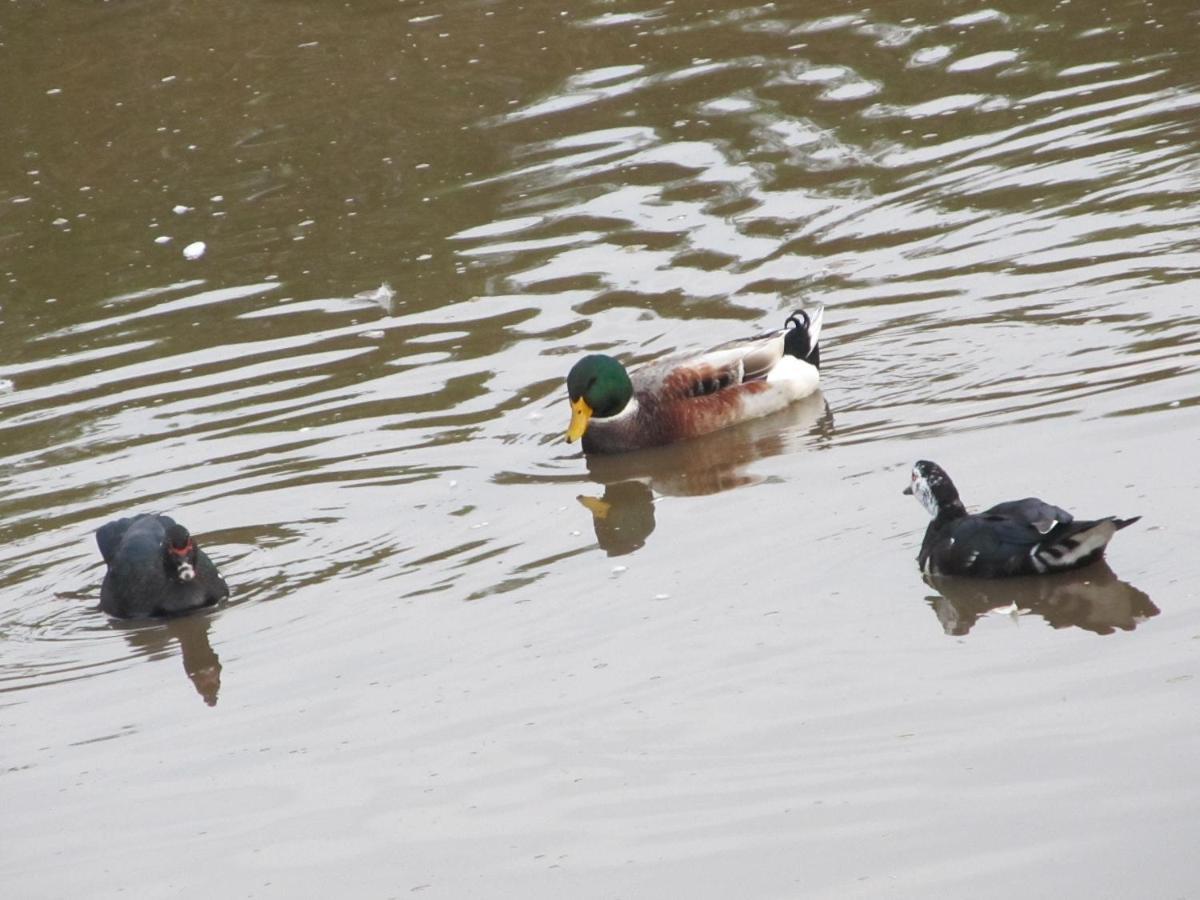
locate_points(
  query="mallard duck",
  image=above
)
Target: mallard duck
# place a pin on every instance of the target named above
(155, 569)
(1019, 537)
(685, 395)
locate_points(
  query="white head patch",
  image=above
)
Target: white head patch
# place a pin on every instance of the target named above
(924, 493)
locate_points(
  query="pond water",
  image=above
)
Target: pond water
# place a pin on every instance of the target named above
(309, 277)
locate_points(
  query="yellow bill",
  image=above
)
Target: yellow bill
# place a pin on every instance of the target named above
(580, 413)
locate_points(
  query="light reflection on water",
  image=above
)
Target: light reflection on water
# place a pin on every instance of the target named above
(355, 398)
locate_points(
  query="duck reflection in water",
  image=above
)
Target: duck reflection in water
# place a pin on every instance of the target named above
(200, 661)
(623, 517)
(1092, 598)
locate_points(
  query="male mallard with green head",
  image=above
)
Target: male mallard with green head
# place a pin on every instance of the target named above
(685, 395)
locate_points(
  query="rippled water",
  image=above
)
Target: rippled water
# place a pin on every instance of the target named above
(461, 659)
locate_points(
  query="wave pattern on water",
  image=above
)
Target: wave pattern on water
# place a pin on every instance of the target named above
(1000, 238)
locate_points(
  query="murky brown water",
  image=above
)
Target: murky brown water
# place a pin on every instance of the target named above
(439, 671)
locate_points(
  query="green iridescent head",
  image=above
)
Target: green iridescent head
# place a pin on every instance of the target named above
(599, 386)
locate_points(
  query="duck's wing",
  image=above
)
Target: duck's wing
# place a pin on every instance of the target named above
(996, 536)
(108, 537)
(1031, 512)
(214, 585)
(1025, 537)
(683, 375)
(757, 355)
(984, 546)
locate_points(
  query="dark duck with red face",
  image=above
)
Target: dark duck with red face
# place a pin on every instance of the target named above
(1019, 537)
(155, 569)
(685, 395)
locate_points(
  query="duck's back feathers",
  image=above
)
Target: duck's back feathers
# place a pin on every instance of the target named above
(695, 374)
(1031, 512)
(684, 376)
(109, 535)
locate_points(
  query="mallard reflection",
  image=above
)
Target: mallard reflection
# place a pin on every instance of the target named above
(1092, 598)
(624, 516)
(200, 661)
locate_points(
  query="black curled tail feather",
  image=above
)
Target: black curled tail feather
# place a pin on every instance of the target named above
(798, 319)
(797, 342)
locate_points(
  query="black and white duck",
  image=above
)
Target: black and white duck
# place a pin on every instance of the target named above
(1019, 537)
(688, 394)
(155, 568)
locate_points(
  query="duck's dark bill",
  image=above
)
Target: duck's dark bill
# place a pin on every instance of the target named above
(907, 490)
